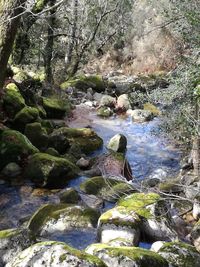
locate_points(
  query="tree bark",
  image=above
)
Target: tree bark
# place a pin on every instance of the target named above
(10, 11)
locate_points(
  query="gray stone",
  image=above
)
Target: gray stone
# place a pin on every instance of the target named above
(123, 102)
(139, 115)
(118, 143)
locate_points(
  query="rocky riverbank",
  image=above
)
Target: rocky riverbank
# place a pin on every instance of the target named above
(44, 150)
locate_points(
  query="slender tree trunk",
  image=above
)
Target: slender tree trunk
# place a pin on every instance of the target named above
(49, 46)
(10, 15)
(196, 143)
(68, 57)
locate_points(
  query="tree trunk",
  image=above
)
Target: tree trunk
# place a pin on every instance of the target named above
(68, 57)
(49, 46)
(10, 15)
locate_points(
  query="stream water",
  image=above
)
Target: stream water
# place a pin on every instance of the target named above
(149, 154)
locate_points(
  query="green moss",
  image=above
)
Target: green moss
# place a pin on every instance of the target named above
(9, 233)
(96, 184)
(13, 146)
(120, 216)
(25, 116)
(141, 257)
(172, 185)
(13, 100)
(119, 190)
(104, 112)
(153, 109)
(49, 171)
(139, 202)
(70, 196)
(37, 135)
(56, 108)
(21, 76)
(84, 82)
(180, 254)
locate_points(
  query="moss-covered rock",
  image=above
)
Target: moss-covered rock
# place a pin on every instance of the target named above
(153, 109)
(157, 223)
(14, 146)
(126, 256)
(13, 241)
(70, 196)
(11, 170)
(52, 253)
(49, 171)
(118, 143)
(37, 135)
(104, 112)
(56, 108)
(61, 217)
(59, 141)
(21, 76)
(86, 139)
(52, 151)
(13, 101)
(25, 116)
(119, 223)
(140, 115)
(84, 82)
(180, 254)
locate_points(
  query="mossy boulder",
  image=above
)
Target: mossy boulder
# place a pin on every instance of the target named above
(180, 254)
(140, 115)
(14, 147)
(104, 112)
(69, 196)
(108, 189)
(49, 171)
(37, 135)
(56, 108)
(11, 170)
(59, 141)
(13, 101)
(25, 116)
(13, 241)
(126, 256)
(84, 82)
(53, 218)
(119, 223)
(52, 253)
(20, 75)
(85, 138)
(152, 108)
(157, 223)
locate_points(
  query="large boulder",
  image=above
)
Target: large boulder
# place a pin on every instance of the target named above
(12, 241)
(123, 102)
(119, 223)
(37, 135)
(108, 189)
(118, 143)
(51, 254)
(180, 254)
(52, 218)
(25, 116)
(13, 101)
(59, 141)
(107, 101)
(49, 171)
(126, 256)
(84, 82)
(14, 147)
(139, 115)
(157, 223)
(85, 138)
(56, 108)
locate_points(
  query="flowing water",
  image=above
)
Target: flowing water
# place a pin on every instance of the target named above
(149, 154)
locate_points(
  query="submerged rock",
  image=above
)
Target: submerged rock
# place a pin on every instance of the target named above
(119, 223)
(14, 147)
(12, 241)
(49, 171)
(126, 256)
(50, 219)
(157, 223)
(118, 143)
(180, 254)
(53, 253)
(104, 112)
(11, 170)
